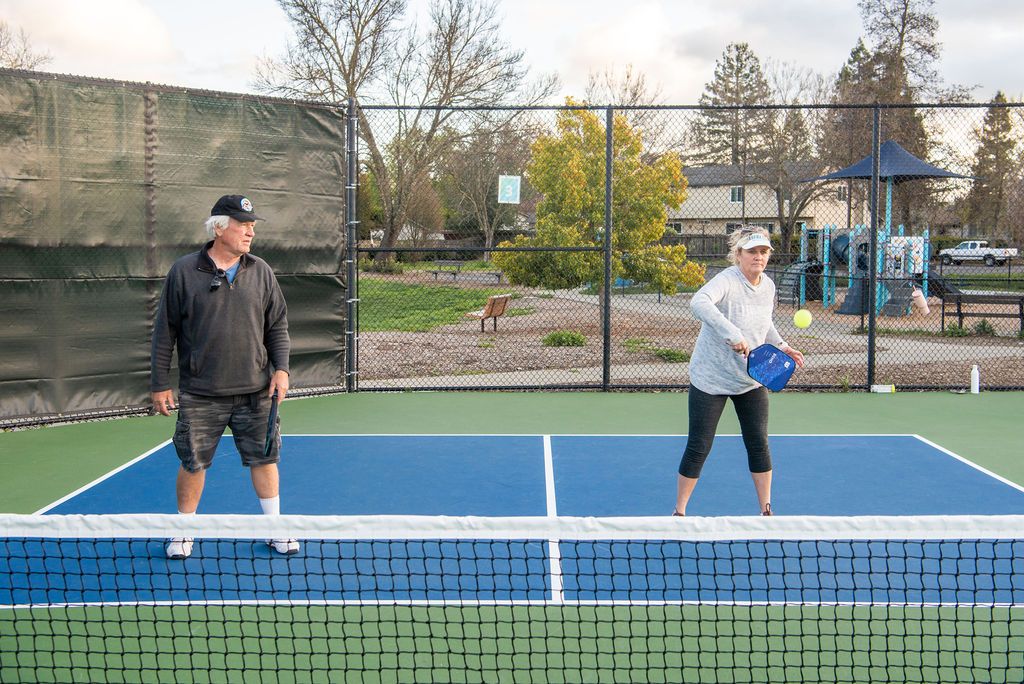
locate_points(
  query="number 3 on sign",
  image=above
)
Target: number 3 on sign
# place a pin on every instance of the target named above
(508, 189)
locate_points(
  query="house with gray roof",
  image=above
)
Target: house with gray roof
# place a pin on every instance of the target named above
(722, 197)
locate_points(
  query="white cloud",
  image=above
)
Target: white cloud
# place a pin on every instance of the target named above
(675, 43)
(107, 38)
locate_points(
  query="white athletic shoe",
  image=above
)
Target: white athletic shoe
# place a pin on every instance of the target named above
(285, 547)
(179, 548)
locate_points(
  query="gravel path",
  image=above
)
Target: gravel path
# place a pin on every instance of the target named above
(460, 355)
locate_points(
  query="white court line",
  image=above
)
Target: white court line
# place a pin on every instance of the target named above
(970, 463)
(549, 478)
(101, 478)
(547, 454)
(580, 434)
(554, 551)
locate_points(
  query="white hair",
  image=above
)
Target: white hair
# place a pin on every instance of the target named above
(215, 222)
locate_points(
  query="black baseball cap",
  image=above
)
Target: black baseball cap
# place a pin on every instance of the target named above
(237, 207)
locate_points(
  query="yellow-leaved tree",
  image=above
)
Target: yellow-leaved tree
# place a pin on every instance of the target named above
(567, 168)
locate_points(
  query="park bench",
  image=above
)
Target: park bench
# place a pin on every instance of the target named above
(447, 267)
(496, 305)
(983, 306)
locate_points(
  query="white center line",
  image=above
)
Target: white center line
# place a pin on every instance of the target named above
(554, 552)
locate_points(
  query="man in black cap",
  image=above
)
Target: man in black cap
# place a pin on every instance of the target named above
(224, 311)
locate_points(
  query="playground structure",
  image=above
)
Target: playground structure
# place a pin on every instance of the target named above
(901, 261)
(902, 265)
(811, 277)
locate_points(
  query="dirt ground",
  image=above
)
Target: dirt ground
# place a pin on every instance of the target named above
(909, 350)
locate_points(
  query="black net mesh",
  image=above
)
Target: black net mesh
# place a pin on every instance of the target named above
(458, 608)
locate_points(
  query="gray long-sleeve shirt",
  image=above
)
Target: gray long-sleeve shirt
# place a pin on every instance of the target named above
(229, 339)
(731, 310)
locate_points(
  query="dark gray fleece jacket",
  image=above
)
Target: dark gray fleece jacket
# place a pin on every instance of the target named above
(229, 339)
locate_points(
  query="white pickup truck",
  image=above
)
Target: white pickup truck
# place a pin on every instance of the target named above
(976, 250)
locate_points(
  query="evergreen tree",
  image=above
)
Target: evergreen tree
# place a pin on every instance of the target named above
(846, 133)
(896, 65)
(734, 136)
(994, 168)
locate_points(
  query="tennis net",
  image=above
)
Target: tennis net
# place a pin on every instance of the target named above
(421, 599)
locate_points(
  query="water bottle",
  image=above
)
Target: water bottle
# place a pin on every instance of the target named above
(975, 379)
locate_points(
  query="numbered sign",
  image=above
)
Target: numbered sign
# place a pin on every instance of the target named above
(508, 189)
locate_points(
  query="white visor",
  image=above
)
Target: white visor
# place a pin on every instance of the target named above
(755, 240)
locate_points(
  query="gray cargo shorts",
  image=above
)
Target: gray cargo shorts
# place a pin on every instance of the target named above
(202, 421)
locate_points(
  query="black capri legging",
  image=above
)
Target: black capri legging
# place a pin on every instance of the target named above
(705, 412)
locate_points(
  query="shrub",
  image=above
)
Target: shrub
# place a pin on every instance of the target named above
(953, 330)
(385, 266)
(564, 338)
(637, 344)
(672, 355)
(983, 327)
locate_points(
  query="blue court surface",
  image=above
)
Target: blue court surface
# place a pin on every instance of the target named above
(537, 475)
(628, 475)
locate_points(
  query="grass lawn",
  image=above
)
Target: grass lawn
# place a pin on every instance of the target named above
(988, 281)
(385, 305)
(428, 265)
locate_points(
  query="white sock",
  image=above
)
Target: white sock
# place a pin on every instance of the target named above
(184, 513)
(271, 506)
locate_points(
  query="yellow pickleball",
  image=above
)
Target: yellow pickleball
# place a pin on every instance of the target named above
(802, 318)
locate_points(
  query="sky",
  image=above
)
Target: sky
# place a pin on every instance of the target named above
(216, 44)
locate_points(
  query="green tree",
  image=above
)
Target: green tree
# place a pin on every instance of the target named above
(903, 32)
(846, 133)
(733, 136)
(994, 168)
(893, 64)
(568, 169)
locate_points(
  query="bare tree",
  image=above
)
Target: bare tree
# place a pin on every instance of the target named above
(472, 166)
(631, 89)
(16, 50)
(790, 157)
(361, 49)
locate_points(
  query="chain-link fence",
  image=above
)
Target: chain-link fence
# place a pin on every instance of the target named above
(439, 245)
(554, 247)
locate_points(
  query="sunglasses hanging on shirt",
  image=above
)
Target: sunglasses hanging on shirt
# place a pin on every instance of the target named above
(216, 282)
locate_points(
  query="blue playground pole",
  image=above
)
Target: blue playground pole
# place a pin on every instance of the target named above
(880, 294)
(803, 257)
(881, 289)
(827, 285)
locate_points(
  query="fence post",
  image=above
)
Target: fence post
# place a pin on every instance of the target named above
(606, 305)
(351, 240)
(873, 241)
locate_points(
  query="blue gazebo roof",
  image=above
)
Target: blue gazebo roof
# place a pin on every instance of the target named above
(894, 162)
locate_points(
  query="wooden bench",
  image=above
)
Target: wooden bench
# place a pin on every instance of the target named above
(495, 307)
(956, 303)
(446, 267)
